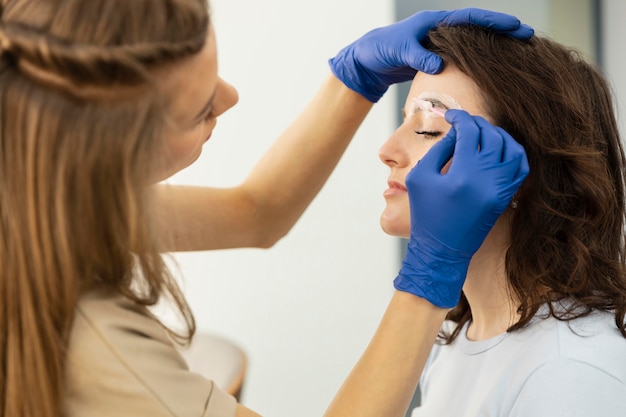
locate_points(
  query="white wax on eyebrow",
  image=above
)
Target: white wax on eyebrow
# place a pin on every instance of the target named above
(448, 101)
(426, 107)
(427, 96)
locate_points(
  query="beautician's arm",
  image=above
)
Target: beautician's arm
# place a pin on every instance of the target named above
(383, 381)
(267, 204)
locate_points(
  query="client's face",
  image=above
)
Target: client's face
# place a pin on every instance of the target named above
(420, 130)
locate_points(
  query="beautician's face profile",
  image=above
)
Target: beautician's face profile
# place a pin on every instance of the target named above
(197, 97)
(419, 131)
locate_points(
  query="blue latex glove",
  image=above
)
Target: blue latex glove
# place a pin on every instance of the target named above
(393, 53)
(452, 213)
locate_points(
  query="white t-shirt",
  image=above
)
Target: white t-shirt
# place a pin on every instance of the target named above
(550, 368)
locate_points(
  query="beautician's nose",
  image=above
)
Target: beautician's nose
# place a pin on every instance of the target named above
(227, 96)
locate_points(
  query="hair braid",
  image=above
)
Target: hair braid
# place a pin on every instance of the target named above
(86, 70)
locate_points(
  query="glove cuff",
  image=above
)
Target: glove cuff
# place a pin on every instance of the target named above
(434, 275)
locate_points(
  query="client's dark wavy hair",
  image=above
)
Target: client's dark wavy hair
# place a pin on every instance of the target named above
(567, 233)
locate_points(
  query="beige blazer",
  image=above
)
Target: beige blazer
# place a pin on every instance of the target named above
(121, 363)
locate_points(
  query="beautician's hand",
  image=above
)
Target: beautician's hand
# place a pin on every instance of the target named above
(393, 53)
(451, 213)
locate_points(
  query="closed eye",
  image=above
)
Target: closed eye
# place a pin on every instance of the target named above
(428, 134)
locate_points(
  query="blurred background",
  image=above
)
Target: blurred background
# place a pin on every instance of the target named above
(305, 309)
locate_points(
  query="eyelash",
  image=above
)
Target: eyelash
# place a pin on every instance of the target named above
(428, 134)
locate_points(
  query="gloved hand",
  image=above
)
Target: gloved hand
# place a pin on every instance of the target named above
(452, 213)
(393, 53)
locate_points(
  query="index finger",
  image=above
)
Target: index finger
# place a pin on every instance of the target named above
(466, 131)
(499, 22)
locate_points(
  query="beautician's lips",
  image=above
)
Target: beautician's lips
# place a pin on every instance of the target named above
(395, 188)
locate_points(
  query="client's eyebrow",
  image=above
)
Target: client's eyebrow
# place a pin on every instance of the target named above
(435, 102)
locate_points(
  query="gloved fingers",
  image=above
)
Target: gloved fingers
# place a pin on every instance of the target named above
(506, 150)
(512, 174)
(491, 142)
(465, 130)
(418, 25)
(512, 166)
(514, 151)
(403, 74)
(423, 21)
(499, 22)
(498, 147)
(524, 169)
(439, 154)
(519, 171)
(523, 32)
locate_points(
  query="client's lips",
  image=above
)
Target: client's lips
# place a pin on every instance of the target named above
(395, 188)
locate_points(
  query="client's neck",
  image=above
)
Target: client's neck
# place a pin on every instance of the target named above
(486, 288)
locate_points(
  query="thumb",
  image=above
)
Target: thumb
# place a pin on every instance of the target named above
(439, 154)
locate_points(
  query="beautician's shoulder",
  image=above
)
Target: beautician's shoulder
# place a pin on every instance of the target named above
(122, 362)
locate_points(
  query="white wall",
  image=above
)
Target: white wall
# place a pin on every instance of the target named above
(305, 309)
(613, 34)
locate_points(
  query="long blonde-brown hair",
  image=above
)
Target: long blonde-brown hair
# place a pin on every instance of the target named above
(80, 128)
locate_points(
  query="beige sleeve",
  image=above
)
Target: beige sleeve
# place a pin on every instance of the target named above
(121, 363)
